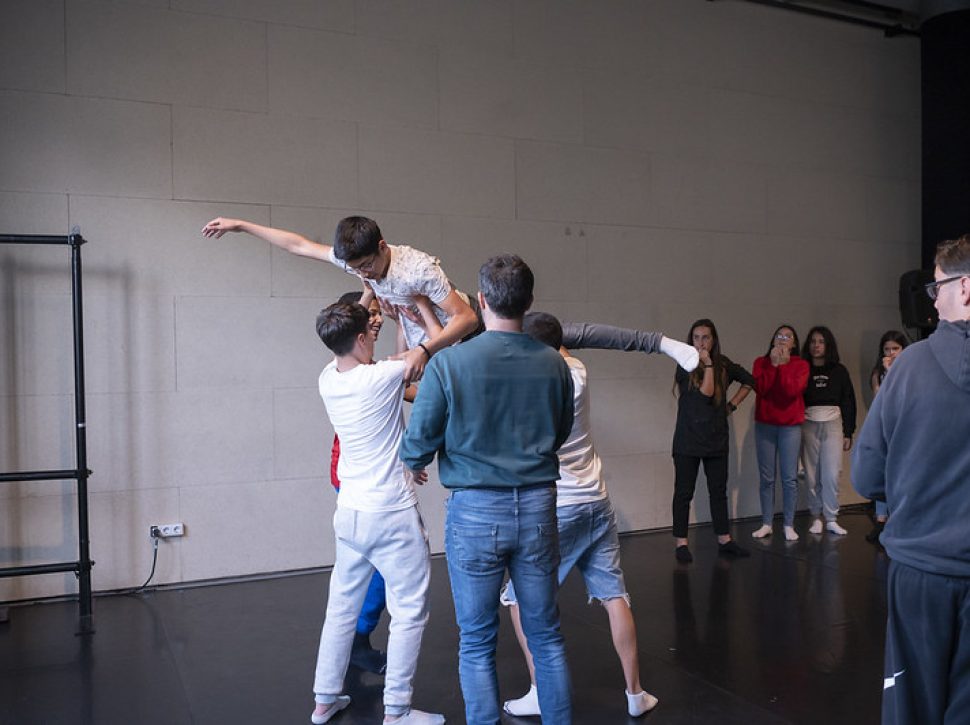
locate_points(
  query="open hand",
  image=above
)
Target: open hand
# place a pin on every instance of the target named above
(219, 226)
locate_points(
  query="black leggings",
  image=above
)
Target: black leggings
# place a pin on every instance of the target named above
(685, 478)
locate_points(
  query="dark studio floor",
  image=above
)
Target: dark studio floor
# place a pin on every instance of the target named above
(793, 634)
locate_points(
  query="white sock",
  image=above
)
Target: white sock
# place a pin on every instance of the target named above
(761, 533)
(816, 527)
(834, 528)
(339, 704)
(419, 717)
(640, 703)
(528, 704)
(685, 355)
(790, 534)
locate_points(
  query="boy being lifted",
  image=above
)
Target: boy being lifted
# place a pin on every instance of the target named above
(394, 273)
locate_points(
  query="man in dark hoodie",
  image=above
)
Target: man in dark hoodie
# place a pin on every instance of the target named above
(914, 453)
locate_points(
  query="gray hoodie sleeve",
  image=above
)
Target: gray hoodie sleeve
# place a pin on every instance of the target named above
(579, 335)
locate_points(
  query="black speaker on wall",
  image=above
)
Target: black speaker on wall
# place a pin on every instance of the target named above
(915, 306)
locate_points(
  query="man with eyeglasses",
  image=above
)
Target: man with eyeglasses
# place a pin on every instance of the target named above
(396, 274)
(914, 454)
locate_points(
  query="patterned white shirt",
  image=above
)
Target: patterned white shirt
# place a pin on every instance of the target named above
(411, 272)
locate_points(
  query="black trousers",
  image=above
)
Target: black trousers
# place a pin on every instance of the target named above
(927, 670)
(685, 479)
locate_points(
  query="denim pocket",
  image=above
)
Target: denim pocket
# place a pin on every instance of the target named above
(473, 547)
(544, 550)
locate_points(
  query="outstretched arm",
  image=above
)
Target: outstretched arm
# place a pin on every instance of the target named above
(290, 241)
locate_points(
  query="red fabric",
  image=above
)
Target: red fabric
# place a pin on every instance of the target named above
(780, 391)
(334, 459)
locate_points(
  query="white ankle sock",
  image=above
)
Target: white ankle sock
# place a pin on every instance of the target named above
(790, 534)
(816, 527)
(339, 704)
(834, 528)
(761, 533)
(640, 703)
(528, 704)
(419, 717)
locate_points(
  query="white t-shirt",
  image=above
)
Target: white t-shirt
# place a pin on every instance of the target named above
(580, 468)
(411, 272)
(365, 405)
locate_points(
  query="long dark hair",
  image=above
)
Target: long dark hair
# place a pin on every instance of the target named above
(697, 376)
(831, 348)
(771, 343)
(890, 336)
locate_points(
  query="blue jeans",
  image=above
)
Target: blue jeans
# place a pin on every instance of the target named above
(588, 541)
(487, 532)
(882, 509)
(778, 444)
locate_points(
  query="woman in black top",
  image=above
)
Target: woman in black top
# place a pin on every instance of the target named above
(830, 413)
(701, 435)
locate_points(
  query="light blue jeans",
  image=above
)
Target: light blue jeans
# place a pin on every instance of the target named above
(487, 532)
(588, 541)
(822, 461)
(396, 543)
(778, 447)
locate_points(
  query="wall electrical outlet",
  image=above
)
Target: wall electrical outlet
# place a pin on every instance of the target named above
(165, 531)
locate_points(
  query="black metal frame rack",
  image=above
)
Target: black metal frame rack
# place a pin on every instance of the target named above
(81, 567)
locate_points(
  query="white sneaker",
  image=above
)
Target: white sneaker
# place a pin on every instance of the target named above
(761, 533)
(526, 705)
(640, 703)
(790, 534)
(339, 704)
(816, 527)
(834, 528)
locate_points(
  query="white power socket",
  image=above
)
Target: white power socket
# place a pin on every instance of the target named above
(165, 531)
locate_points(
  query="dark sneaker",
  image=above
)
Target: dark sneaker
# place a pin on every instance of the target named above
(683, 555)
(873, 536)
(366, 658)
(732, 550)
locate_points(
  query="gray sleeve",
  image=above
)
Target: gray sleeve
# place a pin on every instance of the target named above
(579, 335)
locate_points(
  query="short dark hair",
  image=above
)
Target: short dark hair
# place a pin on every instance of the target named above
(356, 237)
(339, 325)
(543, 327)
(348, 297)
(953, 255)
(831, 348)
(506, 283)
(778, 329)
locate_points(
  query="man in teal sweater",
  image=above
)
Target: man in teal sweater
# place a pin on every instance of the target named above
(495, 410)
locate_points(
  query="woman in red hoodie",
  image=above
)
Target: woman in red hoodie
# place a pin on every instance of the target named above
(780, 380)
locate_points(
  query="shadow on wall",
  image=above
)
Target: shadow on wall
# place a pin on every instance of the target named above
(38, 520)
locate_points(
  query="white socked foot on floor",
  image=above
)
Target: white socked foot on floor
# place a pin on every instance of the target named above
(526, 705)
(640, 703)
(816, 527)
(833, 528)
(790, 534)
(761, 533)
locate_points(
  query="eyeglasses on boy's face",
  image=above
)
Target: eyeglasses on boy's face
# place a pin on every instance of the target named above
(364, 264)
(933, 288)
